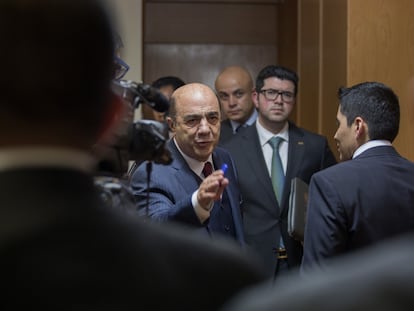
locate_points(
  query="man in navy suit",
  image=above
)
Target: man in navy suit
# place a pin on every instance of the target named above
(302, 154)
(369, 196)
(181, 192)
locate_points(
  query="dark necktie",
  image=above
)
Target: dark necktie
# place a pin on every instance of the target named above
(207, 169)
(278, 175)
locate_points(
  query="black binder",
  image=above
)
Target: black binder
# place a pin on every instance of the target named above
(297, 208)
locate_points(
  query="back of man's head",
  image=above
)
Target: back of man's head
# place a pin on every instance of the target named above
(57, 66)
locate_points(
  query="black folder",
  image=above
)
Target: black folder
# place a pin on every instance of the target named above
(297, 208)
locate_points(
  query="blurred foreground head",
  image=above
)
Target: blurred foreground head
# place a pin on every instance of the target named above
(57, 61)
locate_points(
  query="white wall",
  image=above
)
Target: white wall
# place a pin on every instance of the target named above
(128, 15)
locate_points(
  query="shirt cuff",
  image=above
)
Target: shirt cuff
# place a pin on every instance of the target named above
(201, 213)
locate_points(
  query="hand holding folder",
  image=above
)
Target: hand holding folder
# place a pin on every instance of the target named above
(297, 208)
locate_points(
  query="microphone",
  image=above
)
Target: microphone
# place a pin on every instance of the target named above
(153, 97)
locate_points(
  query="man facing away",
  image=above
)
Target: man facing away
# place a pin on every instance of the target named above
(301, 153)
(60, 247)
(183, 191)
(369, 196)
(234, 87)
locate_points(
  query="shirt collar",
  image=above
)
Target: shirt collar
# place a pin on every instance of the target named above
(265, 135)
(370, 144)
(249, 121)
(195, 165)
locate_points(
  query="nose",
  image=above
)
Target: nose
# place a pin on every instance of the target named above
(278, 98)
(204, 125)
(232, 101)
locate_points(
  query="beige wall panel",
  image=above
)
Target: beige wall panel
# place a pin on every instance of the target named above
(210, 23)
(381, 47)
(202, 62)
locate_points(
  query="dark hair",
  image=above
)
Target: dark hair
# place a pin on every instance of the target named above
(175, 82)
(57, 62)
(376, 103)
(279, 72)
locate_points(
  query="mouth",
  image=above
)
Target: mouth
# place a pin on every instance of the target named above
(233, 112)
(203, 144)
(276, 110)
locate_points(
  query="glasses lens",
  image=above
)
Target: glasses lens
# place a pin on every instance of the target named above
(121, 68)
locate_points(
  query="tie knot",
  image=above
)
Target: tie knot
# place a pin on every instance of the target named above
(207, 169)
(275, 141)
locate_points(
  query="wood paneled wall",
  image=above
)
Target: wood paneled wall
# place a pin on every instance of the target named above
(381, 47)
(343, 42)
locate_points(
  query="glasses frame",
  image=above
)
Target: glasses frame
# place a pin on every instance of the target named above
(121, 68)
(287, 96)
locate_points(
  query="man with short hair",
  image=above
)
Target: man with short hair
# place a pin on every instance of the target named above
(369, 196)
(300, 153)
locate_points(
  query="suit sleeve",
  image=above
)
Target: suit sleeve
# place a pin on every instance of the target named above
(163, 199)
(325, 229)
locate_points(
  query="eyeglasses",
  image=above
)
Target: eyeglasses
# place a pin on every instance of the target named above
(271, 94)
(121, 68)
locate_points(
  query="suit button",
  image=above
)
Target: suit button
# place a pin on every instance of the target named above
(227, 227)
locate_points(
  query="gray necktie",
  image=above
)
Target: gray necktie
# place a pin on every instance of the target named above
(277, 173)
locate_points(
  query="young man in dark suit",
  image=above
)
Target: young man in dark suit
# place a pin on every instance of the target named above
(369, 196)
(61, 247)
(302, 153)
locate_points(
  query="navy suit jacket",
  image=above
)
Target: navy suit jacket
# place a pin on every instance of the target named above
(171, 188)
(357, 203)
(263, 219)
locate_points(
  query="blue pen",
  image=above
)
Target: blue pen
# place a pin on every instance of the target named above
(224, 168)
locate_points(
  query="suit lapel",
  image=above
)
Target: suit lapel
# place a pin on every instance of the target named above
(296, 152)
(183, 173)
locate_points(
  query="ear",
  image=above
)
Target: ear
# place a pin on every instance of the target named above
(361, 129)
(171, 124)
(255, 98)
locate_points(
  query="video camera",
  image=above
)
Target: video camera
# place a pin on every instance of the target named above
(144, 139)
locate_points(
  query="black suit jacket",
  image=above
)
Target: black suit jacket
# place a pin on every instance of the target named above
(62, 249)
(263, 219)
(226, 131)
